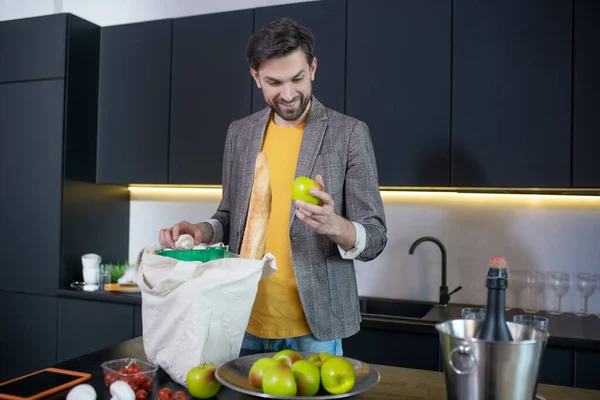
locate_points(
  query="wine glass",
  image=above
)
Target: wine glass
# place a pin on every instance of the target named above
(473, 313)
(536, 282)
(586, 283)
(536, 321)
(516, 284)
(559, 282)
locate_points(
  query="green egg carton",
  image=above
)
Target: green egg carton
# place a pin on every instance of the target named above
(202, 255)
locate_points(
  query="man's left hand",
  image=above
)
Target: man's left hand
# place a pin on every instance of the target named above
(323, 219)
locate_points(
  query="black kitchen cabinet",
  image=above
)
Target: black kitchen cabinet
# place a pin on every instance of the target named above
(557, 366)
(511, 93)
(85, 326)
(28, 334)
(33, 48)
(398, 349)
(587, 364)
(327, 20)
(211, 87)
(133, 105)
(398, 82)
(586, 89)
(31, 150)
(137, 327)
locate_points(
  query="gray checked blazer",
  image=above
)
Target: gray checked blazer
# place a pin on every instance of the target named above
(338, 148)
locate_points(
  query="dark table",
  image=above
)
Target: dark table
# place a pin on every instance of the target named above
(396, 383)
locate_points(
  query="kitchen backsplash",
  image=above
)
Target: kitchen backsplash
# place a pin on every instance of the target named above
(532, 232)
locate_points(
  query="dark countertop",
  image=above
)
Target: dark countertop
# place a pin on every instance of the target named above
(566, 330)
(396, 383)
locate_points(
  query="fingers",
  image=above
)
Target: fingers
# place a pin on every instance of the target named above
(304, 217)
(319, 179)
(165, 238)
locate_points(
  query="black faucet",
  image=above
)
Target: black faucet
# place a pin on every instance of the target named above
(444, 295)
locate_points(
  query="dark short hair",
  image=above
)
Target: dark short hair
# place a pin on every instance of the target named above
(278, 39)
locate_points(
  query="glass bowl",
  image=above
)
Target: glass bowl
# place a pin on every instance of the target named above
(137, 373)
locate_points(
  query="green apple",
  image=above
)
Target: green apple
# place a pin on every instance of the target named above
(338, 375)
(287, 357)
(319, 358)
(301, 187)
(279, 381)
(201, 381)
(255, 376)
(308, 377)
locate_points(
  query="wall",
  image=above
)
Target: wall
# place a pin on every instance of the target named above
(544, 232)
(116, 12)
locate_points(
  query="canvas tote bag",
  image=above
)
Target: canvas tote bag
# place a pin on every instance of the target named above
(196, 313)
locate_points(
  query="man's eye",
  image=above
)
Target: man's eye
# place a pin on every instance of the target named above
(274, 83)
(298, 79)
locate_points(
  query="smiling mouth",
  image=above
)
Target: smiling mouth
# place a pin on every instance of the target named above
(289, 105)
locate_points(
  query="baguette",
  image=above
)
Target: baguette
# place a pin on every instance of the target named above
(259, 212)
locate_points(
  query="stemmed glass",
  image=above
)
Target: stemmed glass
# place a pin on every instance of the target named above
(559, 282)
(586, 283)
(516, 284)
(536, 282)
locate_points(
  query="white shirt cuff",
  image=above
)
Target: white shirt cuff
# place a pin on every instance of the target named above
(359, 245)
(217, 230)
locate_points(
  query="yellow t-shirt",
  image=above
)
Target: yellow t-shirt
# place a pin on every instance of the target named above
(277, 312)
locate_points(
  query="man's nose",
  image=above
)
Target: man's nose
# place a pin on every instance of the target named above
(287, 93)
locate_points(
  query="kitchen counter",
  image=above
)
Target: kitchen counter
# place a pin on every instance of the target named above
(396, 383)
(566, 330)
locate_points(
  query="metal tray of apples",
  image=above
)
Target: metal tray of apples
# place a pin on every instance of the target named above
(330, 380)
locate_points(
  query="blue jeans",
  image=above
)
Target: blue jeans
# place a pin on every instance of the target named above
(307, 343)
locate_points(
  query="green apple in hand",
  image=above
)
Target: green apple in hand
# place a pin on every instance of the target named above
(279, 381)
(301, 187)
(319, 358)
(255, 376)
(308, 377)
(201, 381)
(338, 375)
(287, 357)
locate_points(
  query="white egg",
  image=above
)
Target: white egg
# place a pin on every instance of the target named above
(82, 392)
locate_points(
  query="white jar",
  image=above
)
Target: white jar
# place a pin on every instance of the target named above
(90, 275)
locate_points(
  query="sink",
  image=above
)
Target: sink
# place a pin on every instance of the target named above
(394, 308)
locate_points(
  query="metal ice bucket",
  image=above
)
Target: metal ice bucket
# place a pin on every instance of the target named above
(487, 370)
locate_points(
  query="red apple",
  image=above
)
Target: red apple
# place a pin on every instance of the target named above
(319, 358)
(338, 375)
(279, 381)
(287, 357)
(255, 376)
(201, 381)
(301, 187)
(308, 377)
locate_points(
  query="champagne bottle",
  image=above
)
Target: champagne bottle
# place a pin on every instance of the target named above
(494, 325)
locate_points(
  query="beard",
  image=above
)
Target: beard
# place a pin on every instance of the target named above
(293, 113)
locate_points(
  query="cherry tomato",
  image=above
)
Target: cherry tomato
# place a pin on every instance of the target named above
(123, 371)
(141, 395)
(147, 383)
(109, 379)
(164, 396)
(164, 392)
(134, 386)
(179, 395)
(139, 378)
(133, 368)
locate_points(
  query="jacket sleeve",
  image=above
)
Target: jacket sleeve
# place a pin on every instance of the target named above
(362, 197)
(223, 213)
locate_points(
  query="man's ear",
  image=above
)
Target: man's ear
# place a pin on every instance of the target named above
(313, 68)
(254, 74)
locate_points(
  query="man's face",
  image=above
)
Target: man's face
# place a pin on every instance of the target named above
(286, 83)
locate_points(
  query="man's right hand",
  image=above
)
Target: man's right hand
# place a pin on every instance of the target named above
(168, 237)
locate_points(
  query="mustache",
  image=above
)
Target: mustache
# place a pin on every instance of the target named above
(289, 102)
